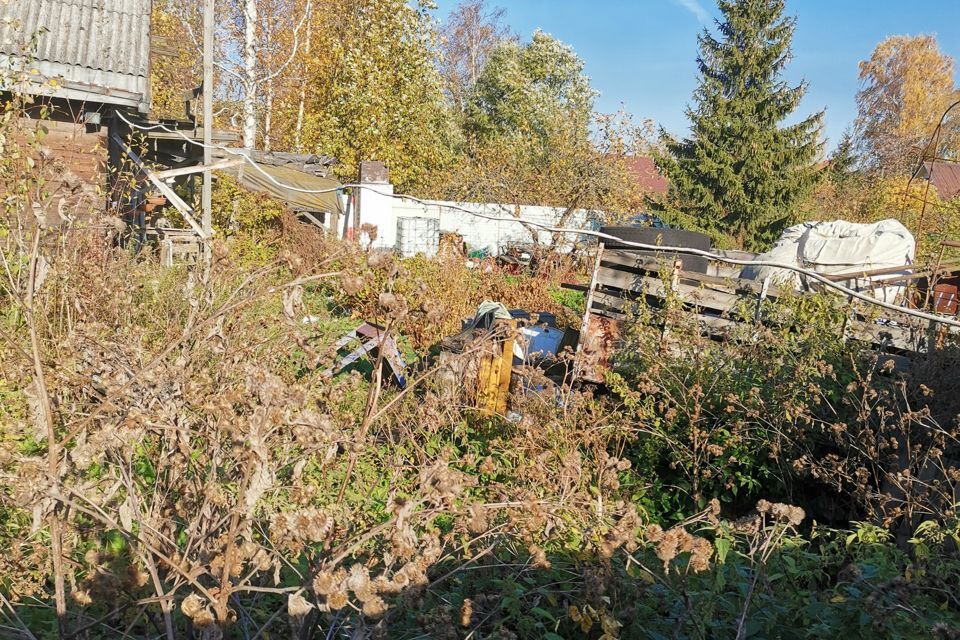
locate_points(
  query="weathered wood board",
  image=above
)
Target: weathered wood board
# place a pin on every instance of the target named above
(621, 277)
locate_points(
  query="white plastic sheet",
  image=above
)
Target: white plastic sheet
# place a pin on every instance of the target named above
(842, 247)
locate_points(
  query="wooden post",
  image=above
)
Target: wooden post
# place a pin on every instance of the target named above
(506, 369)
(207, 195)
(585, 323)
(675, 289)
(932, 281)
(185, 210)
(764, 289)
(848, 318)
(675, 275)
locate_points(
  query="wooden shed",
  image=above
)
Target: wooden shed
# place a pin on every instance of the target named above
(97, 50)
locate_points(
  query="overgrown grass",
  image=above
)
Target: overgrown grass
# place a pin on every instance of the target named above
(212, 481)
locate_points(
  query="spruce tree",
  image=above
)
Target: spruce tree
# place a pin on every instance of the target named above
(741, 173)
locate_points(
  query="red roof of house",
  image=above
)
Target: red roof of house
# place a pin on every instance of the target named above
(648, 177)
(945, 176)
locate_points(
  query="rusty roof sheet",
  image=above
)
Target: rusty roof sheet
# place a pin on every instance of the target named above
(945, 177)
(100, 48)
(646, 174)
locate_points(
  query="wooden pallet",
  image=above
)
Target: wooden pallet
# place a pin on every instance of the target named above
(623, 279)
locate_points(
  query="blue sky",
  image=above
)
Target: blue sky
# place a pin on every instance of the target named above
(641, 53)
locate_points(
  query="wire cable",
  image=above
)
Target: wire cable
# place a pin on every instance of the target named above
(916, 313)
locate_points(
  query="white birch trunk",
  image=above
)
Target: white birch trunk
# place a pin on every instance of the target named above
(297, 137)
(250, 74)
(268, 118)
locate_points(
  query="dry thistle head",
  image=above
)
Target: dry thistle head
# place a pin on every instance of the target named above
(352, 284)
(466, 613)
(478, 522)
(488, 467)
(374, 607)
(783, 513)
(395, 306)
(297, 606)
(538, 557)
(328, 581)
(192, 605)
(653, 533)
(337, 600)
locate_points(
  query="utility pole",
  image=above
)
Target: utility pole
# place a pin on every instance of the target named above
(207, 204)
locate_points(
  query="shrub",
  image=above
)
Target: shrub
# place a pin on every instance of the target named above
(176, 464)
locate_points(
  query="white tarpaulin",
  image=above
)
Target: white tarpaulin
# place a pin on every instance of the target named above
(841, 247)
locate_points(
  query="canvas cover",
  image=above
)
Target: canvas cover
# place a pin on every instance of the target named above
(840, 247)
(326, 202)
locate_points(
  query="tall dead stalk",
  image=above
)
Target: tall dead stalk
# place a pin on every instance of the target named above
(43, 402)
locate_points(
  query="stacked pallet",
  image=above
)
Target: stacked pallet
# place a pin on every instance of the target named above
(623, 278)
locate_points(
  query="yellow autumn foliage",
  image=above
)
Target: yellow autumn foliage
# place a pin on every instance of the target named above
(919, 208)
(906, 85)
(175, 65)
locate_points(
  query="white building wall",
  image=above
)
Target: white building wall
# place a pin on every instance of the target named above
(479, 233)
(494, 235)
(376, 207)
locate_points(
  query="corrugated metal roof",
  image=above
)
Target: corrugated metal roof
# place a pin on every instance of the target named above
(101, 48)
(945, 176)
(645, 172)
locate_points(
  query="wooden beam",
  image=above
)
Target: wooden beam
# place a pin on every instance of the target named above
(185, 210)
(869, 313)
(207, 191)
(631, 261)
(164, 46)
(618, 308)
(698, 296)
(876, 284)
(867, 273)
(900, 337)
(578, 359)
(186, 171)
(312, 219)
(220, 136)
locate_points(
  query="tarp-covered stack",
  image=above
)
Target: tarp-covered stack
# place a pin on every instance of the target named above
(311, 190)
(840, 247)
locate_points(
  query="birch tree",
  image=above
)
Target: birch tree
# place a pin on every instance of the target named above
(471, 32)
(372, 91)
(258, 27)
(530, 89)
(905, 87)
(532, 136)
(249, 80)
